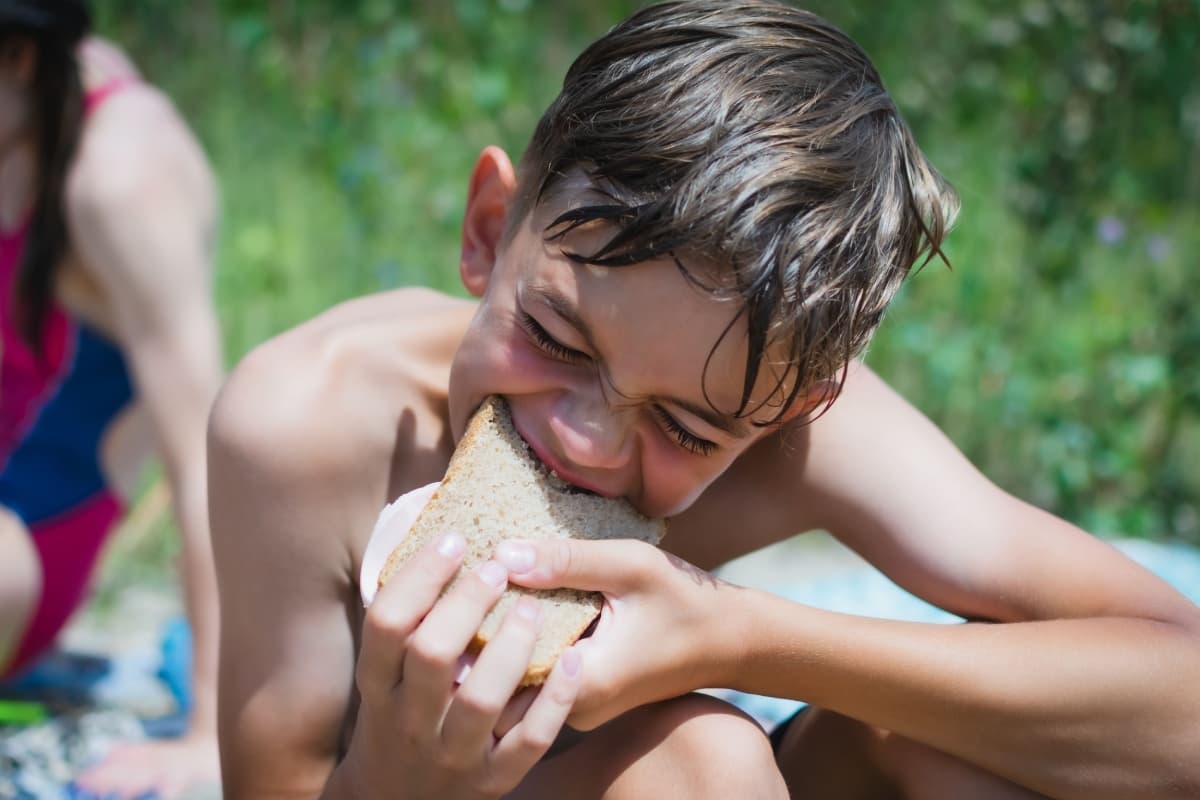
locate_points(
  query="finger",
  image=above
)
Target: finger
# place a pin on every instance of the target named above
(520, 748)
(399, 607)
(614, 565)
(480, 700)
(431, 659)
(514, 710)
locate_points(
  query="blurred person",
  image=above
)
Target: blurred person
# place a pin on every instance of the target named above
(110, 347)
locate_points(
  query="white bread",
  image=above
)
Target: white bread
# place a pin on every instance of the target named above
(496, 489)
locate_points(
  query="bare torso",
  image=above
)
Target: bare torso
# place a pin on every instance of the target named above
(383, 362)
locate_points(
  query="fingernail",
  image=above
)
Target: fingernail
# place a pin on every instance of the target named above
(529, 609)
(571, 661)
(517, 556)
(493, 574)
(452, 545)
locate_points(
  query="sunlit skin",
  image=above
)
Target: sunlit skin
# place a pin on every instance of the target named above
(605, 371)
(597, 386)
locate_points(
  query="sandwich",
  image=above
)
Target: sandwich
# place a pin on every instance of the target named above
(496, 488)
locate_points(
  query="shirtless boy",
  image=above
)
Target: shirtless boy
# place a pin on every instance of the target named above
(671, 291)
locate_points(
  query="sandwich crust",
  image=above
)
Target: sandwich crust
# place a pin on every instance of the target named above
(495, 489)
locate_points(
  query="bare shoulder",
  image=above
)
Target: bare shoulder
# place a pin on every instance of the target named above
(874, 453)
(329, 389)
(136, 152)
(317, 409)
(802, 477)
(871, 453)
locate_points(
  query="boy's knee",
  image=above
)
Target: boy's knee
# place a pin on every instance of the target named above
(705, 723)
(725, 751)
(693, 746)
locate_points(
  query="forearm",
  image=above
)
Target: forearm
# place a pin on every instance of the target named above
(179, 378)
(200, 600)
(1072, 708)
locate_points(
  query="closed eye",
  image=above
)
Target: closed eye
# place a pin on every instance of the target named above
(686, 439)
(548, 344)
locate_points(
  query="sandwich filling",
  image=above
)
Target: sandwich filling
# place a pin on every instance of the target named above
(392, 525)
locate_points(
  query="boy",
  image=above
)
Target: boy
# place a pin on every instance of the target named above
(703, 233)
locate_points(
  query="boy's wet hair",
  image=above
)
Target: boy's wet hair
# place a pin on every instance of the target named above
(758, 137)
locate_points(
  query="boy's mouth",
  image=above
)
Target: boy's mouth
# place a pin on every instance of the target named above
(554, 471)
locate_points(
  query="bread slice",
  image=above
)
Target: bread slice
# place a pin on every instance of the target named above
(495, 489)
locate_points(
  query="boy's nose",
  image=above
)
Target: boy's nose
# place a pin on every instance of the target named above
(591, 434)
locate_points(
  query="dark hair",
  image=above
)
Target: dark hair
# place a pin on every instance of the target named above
(55, 27)
(759, 137)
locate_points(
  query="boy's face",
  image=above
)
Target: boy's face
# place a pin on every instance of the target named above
(606, 369)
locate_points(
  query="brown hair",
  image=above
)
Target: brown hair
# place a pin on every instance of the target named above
(759, 137)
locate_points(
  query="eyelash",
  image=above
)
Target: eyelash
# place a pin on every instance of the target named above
(687, 440)
(551, 346)
(548, 343)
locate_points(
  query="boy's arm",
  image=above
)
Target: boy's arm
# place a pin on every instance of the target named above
(293, 471)
(1085, 697)
(278, 495)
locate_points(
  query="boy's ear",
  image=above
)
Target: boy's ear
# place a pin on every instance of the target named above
(493, 184)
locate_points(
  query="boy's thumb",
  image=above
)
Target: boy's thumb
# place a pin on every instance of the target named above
(597, 566)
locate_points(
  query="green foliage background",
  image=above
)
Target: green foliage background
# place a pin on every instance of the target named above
(1062, 353)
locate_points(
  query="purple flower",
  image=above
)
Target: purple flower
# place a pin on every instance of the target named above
(1110, 230)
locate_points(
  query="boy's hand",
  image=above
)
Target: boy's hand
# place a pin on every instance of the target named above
(658, 634)
(421, 734)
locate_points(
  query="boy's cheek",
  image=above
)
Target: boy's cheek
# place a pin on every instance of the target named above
(506, 369)
(485, 354)
(673, 482)
(504, 362)
(479, 372)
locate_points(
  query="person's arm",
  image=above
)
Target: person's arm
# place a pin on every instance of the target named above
(279, 495)
(293, 474)
(141, 206)
(1084, 693)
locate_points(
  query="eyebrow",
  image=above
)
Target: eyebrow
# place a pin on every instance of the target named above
(560, 305)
